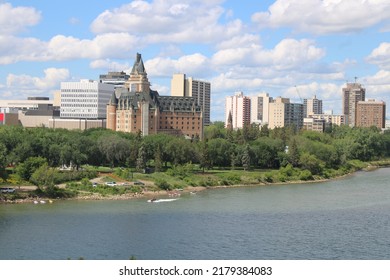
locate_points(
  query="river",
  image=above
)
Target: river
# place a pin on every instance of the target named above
(346, 218)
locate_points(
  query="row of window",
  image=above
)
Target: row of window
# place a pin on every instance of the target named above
(78, 105)
(78, 90)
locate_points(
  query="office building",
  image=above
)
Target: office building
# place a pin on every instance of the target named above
(118, 79)
(86, 99)
(189, 87)
(352, 94)
(260, 108)
(371, 113)
(239, 107)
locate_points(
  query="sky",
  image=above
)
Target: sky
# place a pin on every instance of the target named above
(290, 48)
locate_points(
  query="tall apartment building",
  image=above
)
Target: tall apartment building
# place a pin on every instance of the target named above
(86, 99)
(312, 106)
(141, 109)
(283, 113)
(239, 107)
(371, 113)
(352, 94)
(200, 90)
(260, 108)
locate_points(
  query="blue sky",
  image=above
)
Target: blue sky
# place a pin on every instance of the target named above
(276, 46)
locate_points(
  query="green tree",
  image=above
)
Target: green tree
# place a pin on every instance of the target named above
(158, 160)
(204, 156)
(3, 161)
(246, 158)
(43, 176)
(27, 168)
(141, 160)
(293, 153)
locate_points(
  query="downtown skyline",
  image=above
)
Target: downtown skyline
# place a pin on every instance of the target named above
(295, 49)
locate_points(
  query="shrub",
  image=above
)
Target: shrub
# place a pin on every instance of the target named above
(163, 184)
(305, 175)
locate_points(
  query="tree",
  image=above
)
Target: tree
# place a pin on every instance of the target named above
(27, 168)
(43, 176)
(204, 157)
(158, 159)
(3, 161)
(141, 160)
(293, 153)
(246, 158)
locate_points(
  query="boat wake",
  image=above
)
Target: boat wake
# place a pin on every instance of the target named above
(162, 200)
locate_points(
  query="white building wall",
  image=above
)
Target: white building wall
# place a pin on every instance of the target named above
(256, 106)
(236, 105)
(86, 99)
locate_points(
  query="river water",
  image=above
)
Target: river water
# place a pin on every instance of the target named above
(347, 218)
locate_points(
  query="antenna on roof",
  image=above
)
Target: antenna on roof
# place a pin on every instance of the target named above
(355, 79)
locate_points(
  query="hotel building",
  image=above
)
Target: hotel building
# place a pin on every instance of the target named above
(140, 109)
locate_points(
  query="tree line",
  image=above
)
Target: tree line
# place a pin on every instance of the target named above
(248, 148)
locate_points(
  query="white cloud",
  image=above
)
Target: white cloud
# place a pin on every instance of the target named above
(378, 85)
(287, 54)
(59, 48)
(51, 80)
(193, 65)
(169, 21)
(16, 19)
(324, 16)
(14, 49)
(109, 65)
(381, 56)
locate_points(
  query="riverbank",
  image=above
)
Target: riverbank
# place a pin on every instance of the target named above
(209, 180)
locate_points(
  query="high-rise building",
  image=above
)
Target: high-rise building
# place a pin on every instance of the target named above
(260, 108)
(371, 113)
(312, 106)
(283, 113)
(86, 99)
(352, 94)
(141, 109)
(200, 90)
(239, 107)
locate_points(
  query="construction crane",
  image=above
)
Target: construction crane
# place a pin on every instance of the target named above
(300, 98)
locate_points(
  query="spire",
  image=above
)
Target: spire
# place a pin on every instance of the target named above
(138, 66)
(113, 100)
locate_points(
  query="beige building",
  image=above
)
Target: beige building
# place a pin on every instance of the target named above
(371, 113)
(81, 124)
(283, 113)
(331, 119)
(312, 106)
(314, 124)
(238, 107)
(352, 94)
(200, 90)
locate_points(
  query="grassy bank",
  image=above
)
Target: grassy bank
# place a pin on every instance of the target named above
(132, 184)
